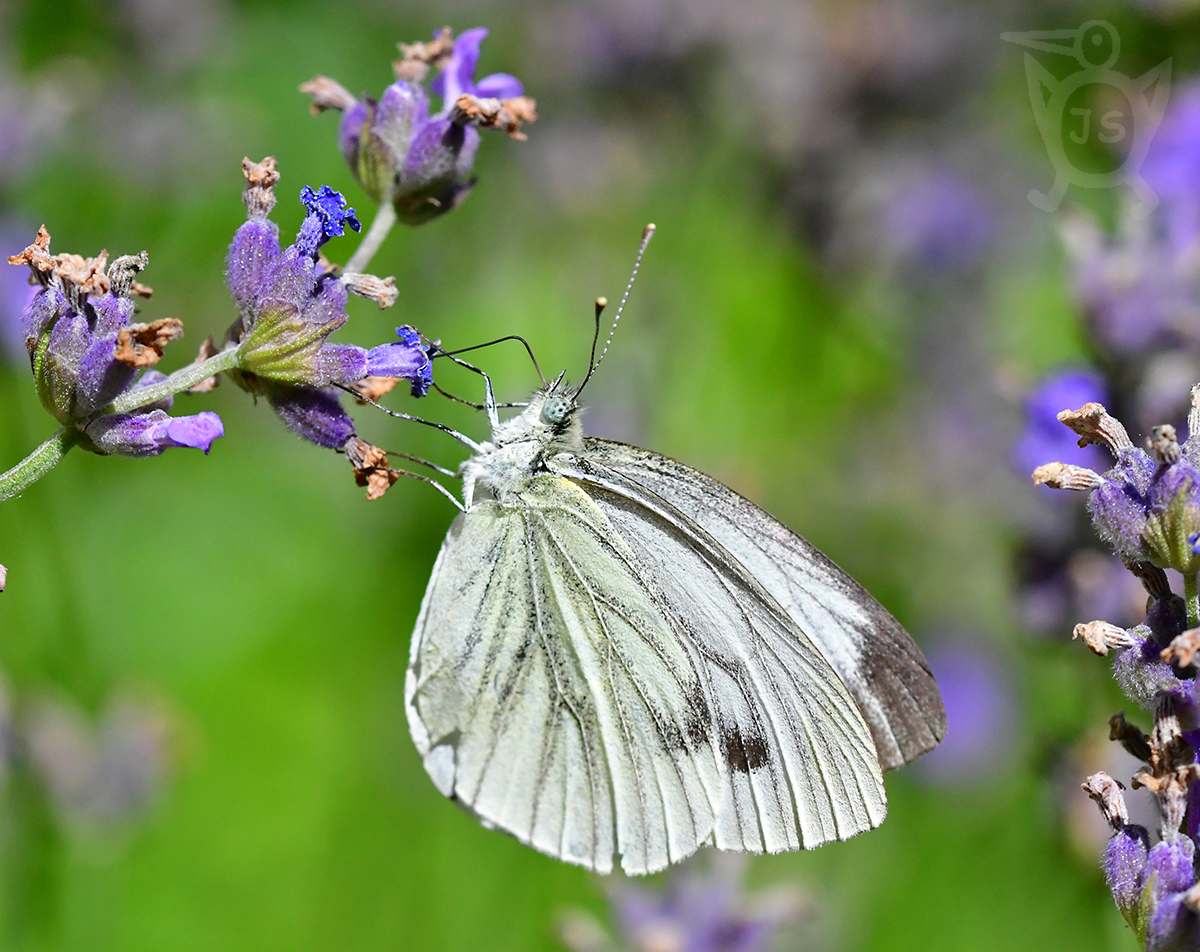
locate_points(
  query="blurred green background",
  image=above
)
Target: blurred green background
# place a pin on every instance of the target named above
(780, 338)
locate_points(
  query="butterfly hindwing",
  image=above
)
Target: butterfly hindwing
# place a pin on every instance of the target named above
(548, 694)
(597, 686)
(875, 657)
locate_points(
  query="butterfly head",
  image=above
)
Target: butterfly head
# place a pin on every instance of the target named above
(551, 420)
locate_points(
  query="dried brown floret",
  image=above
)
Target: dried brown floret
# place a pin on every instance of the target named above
(1183, 649)
(327, 93)
(371, 467)
(370, 389)
(37, 255)
(1130, 736)
(419, 57)
(1108, 796)
(141, 345)
(1094, 425)
(1101, 636)
(380, 290)
(506, 114)
(1067, 476)
(259, 190)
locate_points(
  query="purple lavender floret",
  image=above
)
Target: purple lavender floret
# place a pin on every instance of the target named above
(86, 349)
(457, 78)
(148, 434)
(1141, 673)
(399, 150)
(290, 302)
(409, 360)
(1168, 874)
(1120, 506)
(330, 210)
(313, 414)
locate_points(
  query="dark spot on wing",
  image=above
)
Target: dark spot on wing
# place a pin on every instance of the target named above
(698, 717)
(756, 752)
(743, 754)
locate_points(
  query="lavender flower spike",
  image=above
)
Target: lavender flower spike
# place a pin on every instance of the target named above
(398, 150)
(86, 349)
(1147, 508)
(291, 300)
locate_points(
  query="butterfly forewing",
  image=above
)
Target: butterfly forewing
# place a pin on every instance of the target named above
(799, 761)
(595, 682)
(874, 656)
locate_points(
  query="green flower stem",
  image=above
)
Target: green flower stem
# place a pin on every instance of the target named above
(380, 228)
(179, 381)
(37, 464)
(1193, 604)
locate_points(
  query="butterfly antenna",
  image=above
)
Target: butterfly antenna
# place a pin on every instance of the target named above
(647, 234)
(601, 304)
(498, 340)
(471, 403)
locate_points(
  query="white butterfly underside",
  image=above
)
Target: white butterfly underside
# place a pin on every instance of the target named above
(625, 660)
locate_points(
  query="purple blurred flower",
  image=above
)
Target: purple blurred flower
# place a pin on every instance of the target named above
(399, 151)
(290, 303)
(1044, 438)
(15, 295)
(100, 775)
(703, 909)
(1172, 166)
(980, 715)
(1139, 290)
(940, 221)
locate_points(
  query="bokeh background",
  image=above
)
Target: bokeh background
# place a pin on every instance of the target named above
(850, 313)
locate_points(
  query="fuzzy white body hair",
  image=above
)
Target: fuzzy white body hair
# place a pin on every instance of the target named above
(520, 447)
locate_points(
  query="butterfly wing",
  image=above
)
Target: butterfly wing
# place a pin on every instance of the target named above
(873, 654)
(564, 689)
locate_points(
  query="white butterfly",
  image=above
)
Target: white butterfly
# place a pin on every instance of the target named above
(620, 659)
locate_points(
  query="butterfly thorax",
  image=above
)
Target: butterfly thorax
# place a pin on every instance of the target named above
(520, 447)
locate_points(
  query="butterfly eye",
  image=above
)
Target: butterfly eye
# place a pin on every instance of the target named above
(555, 410)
